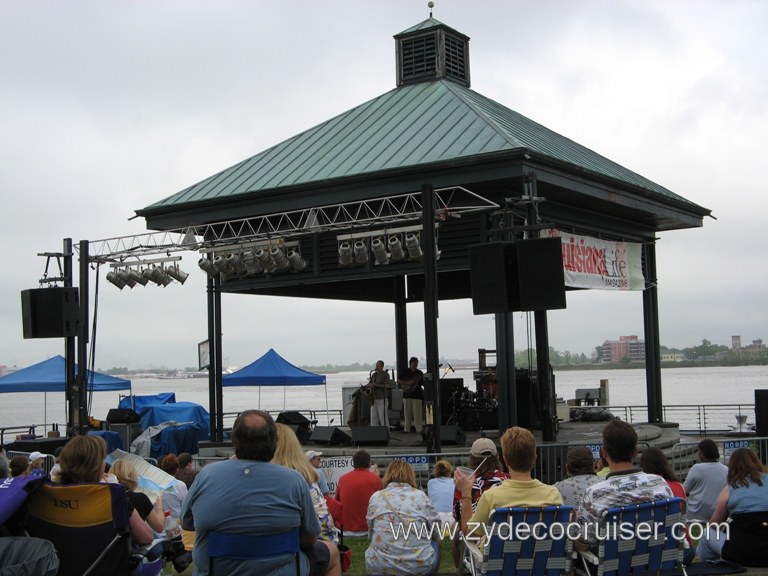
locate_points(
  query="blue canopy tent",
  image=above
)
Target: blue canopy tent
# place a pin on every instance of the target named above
(51, 376)
(274, 370)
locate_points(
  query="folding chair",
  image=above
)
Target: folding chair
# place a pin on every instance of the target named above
(639, 539)
(253, 546)
(88, 525)
(524, 542)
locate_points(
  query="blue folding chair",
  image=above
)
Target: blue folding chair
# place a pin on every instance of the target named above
(253, 546)
(525, 542)
(640, 539)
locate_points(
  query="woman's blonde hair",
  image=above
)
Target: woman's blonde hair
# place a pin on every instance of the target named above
(399, 471)
(290, 454)
(126, 474)
(82, 460)
(443, 469)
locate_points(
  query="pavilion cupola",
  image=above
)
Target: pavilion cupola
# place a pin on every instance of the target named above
(432, 51)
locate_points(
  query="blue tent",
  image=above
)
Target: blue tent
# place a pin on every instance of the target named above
(51, 376)
(274, 370)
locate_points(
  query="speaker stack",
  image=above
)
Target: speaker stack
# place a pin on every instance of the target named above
(521, 276)
(370, 436)
(297, 422)
(761, 413)
(330, 436)
(50, 312)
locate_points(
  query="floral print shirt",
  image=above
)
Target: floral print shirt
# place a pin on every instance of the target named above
(327, 527)
(400, 520)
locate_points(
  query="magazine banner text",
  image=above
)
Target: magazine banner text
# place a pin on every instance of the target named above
(600, 264)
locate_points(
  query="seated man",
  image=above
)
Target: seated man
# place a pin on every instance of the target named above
(624, 485)
(354, 490)
(252, 497)
(518, 448)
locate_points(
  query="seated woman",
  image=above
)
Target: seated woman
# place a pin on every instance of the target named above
(440, 490)
(81, 461)
(394, 548)
(125, 472)
(745, 500)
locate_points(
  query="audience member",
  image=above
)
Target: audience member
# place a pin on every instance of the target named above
(186, 473)
(82, 461)
(173, 499)
(653, 461)
(518, 448)
(602, 469)
(290, 454)
(55, 473)
(354, 490)
(314, 459)
(5, 466)
(19, 466)
(251, 496)
(440, 490)
(624, 485)
(705, 482)
(37, 464)
(745, 500)
(396, 507)
(580, 467)
(484, 459)
(152, 514)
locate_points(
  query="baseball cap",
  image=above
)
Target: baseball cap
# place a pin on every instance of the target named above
(483, 447)
(311, 454)
(35, 455)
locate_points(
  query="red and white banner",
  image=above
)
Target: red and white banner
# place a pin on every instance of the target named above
(600, 264)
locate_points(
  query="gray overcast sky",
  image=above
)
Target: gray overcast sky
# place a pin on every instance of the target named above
(107, 106)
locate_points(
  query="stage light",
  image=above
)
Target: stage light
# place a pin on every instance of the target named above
(297, 262)
(125, 277)
(413, 247)
(207, 266)
(396, 253)
(220, 262)
(281, 262)
(266, 261)
(361, 252)
(159, 277)
(113, 278)
(235, 265)
(177, 274)
(137, 277)
(379, 251)
(345, 254)
(252, 265)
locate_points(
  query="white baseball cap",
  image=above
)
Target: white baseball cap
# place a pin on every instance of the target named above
(312, 454)
(35, 456)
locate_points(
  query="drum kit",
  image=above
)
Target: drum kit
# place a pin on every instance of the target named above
(474, 410)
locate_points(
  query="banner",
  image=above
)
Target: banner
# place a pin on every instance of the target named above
(600, 264)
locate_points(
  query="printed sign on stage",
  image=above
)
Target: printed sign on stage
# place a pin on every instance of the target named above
(335, 468)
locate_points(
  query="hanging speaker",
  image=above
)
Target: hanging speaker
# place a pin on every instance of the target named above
(525, 275)
(50, 312)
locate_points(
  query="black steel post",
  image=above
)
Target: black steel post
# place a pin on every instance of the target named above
(431, 304)
(219, 360)
(505, 370)
(651, 327)
(401, 325)
(69, 348)
(212, 408)
(82, 343)
(544, 377)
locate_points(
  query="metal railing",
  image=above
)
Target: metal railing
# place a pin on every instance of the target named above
(17, 431)
(695, 418)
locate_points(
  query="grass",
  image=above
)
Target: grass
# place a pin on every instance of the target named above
(360, 545)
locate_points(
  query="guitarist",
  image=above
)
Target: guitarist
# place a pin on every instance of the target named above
(411, 381)
(379, 385)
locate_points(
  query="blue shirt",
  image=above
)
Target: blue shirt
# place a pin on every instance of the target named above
(752, 498)
(440, 491)
(247, 497)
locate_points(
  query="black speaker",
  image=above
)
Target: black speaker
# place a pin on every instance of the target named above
(452, 435)
(525, 275)
(293, 417)
(370, 436)
(302, 432)
(50, 312)
(122, 416)
(331, 435)
(761, 413)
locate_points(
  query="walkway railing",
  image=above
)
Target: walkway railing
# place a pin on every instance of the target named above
(695, 418)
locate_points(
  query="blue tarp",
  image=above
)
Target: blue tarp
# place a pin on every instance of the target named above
(177, 412)
(272, 370)
(51, 376)
(137, 403)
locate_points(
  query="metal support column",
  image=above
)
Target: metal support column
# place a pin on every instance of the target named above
(212, 406)
(69, 349)
(505, 370)
(219, 360)
(431, 305)
(401, 325)
(81, 392)
(651, 327)
(544, 377)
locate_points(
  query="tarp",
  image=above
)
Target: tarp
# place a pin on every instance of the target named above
(272, 370)
(51, 376)
(179, 412)
(137, 403)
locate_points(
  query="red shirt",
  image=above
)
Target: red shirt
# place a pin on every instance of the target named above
(353, 491)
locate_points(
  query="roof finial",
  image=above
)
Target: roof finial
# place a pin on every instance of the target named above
(431, 5)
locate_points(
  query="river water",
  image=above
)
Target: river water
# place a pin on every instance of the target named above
(716, 385)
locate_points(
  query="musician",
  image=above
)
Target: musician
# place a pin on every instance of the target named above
(379, 385)
(411, 380)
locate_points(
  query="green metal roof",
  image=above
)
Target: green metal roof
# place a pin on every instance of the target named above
(428, 24)
(425, 123)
